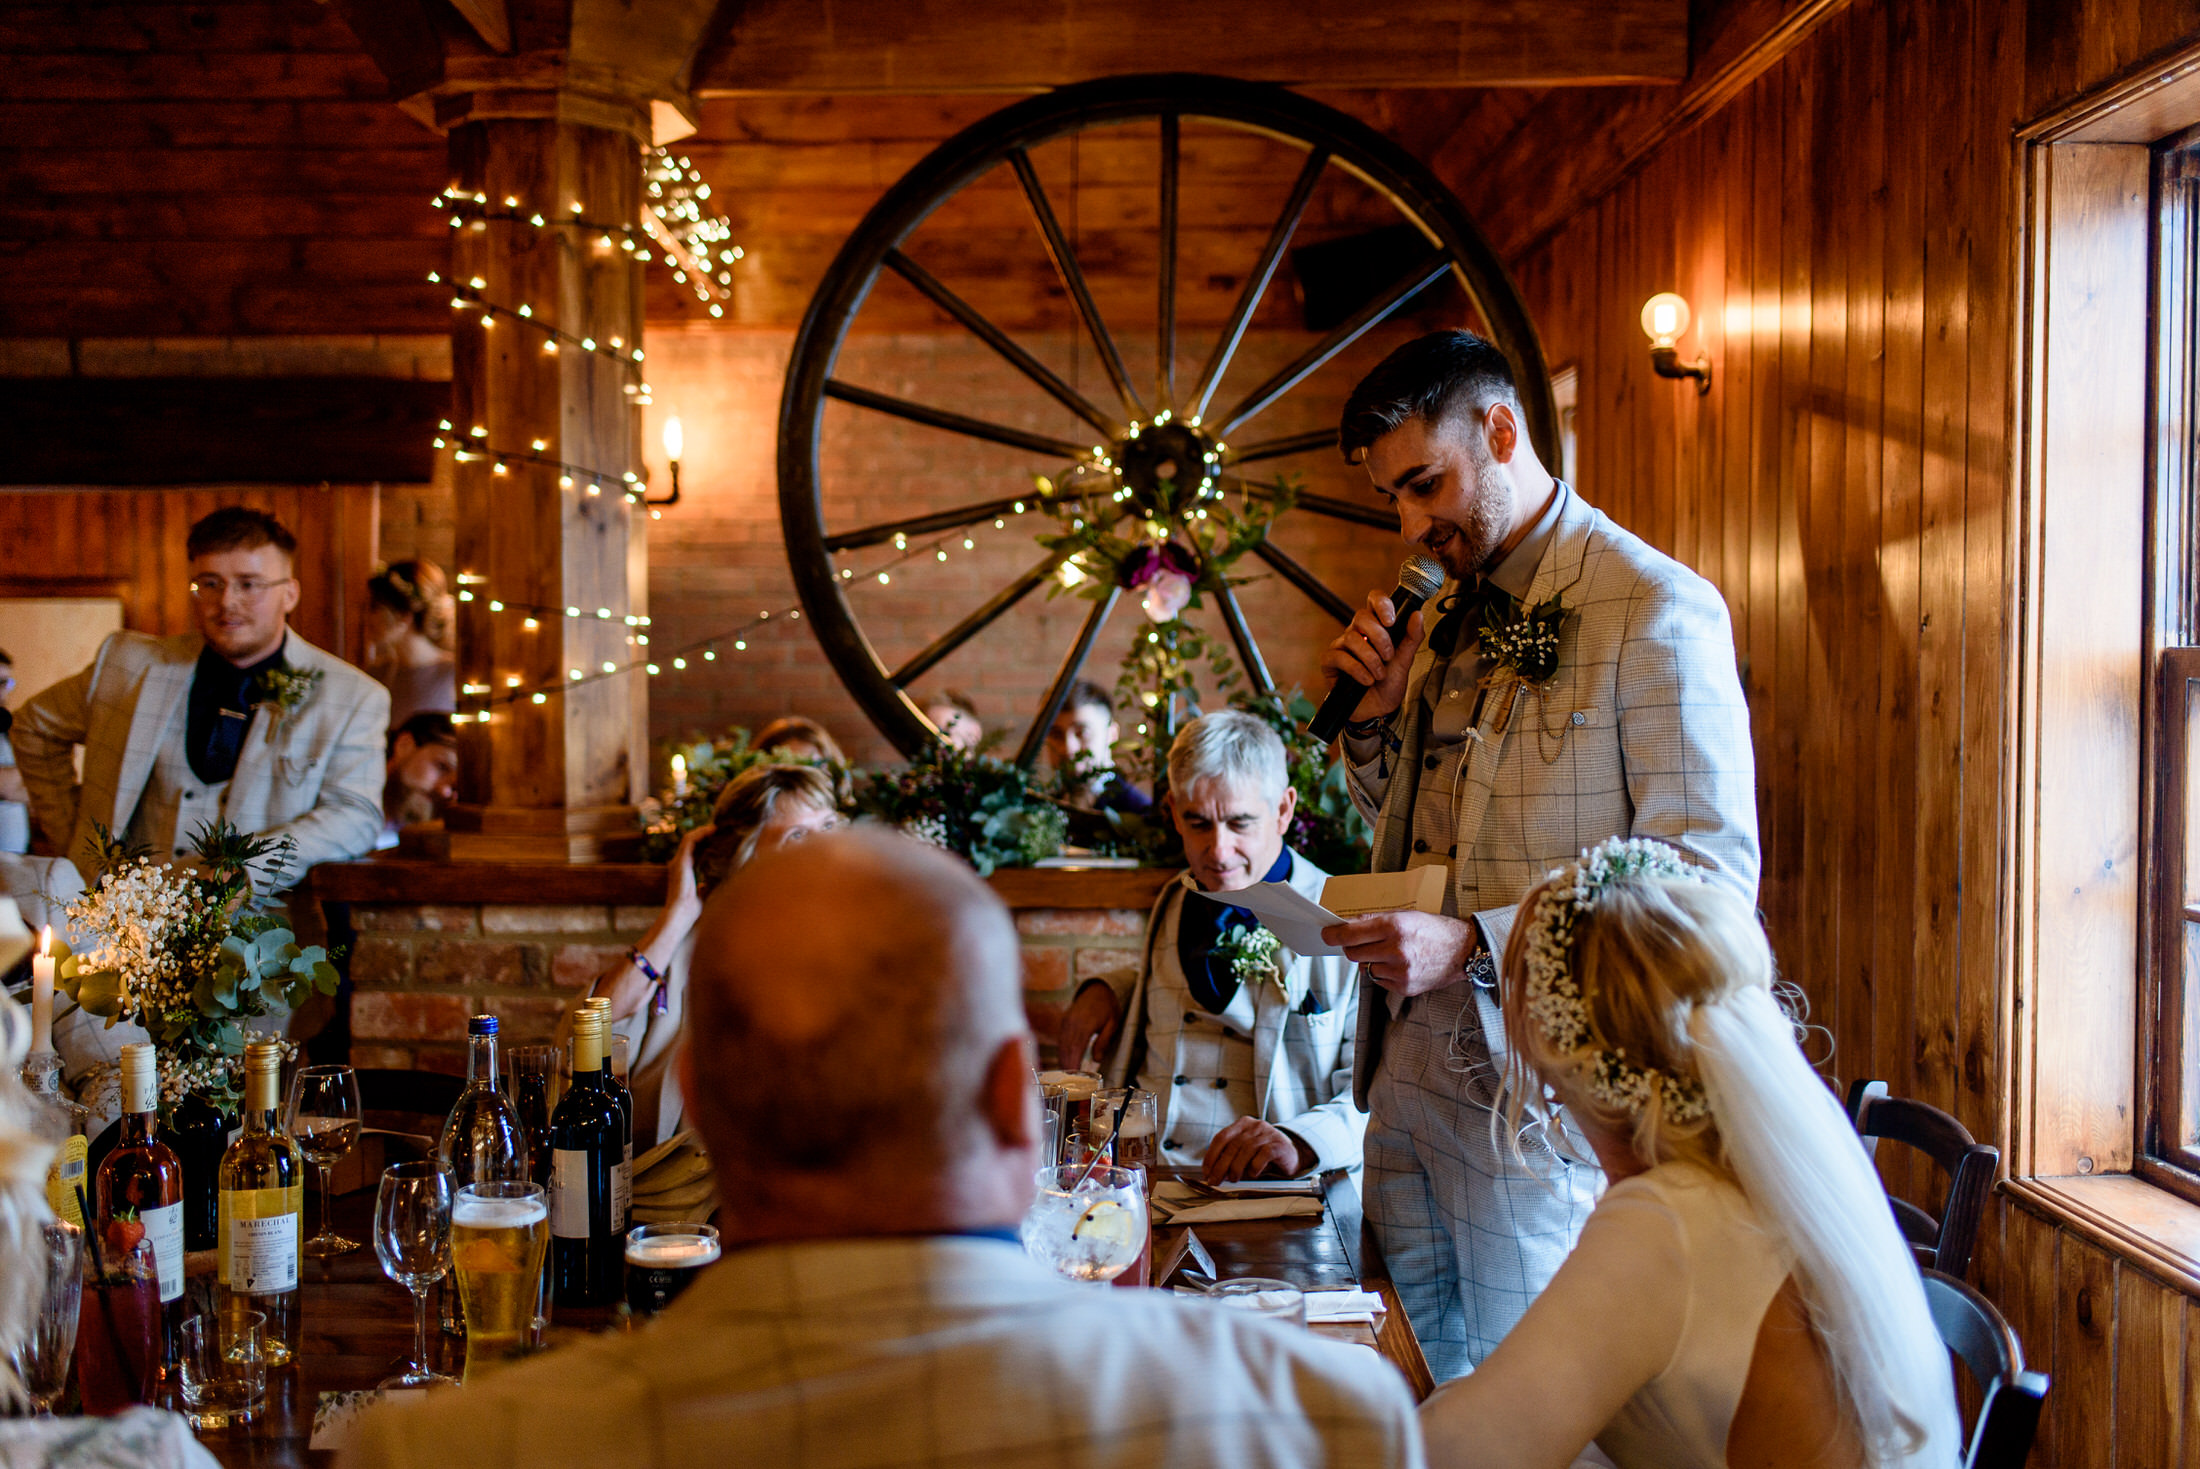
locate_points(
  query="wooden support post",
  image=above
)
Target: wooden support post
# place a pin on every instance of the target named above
(556, 780)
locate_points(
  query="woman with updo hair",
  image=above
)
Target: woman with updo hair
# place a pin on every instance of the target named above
(411, 635)
(1741, 1296)
(762, 809)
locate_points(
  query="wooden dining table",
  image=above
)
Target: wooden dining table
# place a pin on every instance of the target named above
(356, 1325)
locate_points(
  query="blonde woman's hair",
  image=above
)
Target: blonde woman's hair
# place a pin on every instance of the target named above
(1676, 975)
(745, 808)
(24, 1157)
(1651, 951)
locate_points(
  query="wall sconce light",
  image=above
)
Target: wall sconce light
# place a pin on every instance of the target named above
(1664, 318)
(675, 439)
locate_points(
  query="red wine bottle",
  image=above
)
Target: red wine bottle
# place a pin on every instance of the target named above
(140, 1184)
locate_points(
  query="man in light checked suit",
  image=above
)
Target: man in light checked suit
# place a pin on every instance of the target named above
(181, 731)
(1641, 731)
(1251, 1075)
(859, 1068)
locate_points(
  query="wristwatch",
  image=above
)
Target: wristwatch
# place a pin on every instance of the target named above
(1481, 969)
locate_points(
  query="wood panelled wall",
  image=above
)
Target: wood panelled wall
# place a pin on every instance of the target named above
(1845, 230)
(129, 543)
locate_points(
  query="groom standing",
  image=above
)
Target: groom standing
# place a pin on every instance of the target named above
(1487, 747)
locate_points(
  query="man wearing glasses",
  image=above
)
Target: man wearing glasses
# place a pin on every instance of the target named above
(241, 721)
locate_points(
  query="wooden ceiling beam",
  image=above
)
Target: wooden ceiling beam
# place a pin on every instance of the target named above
(946, 46)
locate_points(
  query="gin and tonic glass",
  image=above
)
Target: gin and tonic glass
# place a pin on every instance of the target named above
(1090, 1228)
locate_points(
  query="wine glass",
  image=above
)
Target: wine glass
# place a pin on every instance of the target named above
(42, 1360)
(323, 1119)
(1088, 1222)
(412, 1238)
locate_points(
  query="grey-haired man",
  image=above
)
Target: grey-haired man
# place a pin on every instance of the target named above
(1467, 755)
(1249, 1056)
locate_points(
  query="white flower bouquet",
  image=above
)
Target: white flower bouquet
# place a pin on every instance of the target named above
(189, 953)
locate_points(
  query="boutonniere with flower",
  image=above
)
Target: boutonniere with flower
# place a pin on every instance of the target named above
(282, 692)
(1255, 955)
(1522, 640)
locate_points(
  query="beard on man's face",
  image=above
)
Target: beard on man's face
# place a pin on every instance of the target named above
(409, 807)
(1465, 542)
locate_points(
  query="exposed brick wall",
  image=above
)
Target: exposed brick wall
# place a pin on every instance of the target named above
(419, 970)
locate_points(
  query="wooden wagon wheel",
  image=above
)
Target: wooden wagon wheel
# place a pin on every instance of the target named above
(1149, 429)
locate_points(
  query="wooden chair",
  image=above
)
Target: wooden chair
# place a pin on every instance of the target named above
(2010, 1397)
(1945, 1243)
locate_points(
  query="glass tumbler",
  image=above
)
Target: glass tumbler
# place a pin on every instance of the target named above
(224, 1368)
(42, 1359)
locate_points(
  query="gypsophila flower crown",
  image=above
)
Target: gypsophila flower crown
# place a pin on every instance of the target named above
(1554, 999)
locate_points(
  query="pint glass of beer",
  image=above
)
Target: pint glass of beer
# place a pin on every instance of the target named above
(663, 1260)
(499, 1234)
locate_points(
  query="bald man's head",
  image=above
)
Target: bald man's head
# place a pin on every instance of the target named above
(848, 1000)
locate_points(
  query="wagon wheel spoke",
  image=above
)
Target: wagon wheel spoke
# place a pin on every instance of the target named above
(1165, 377)
(1328, 505)
(1293, 572)
(1256, 284)
(1248, 651)
(977, 622)
(1429, 268)
(954, 423)
(1321, 438)
(986, 332)
(1072, 664)
(922, 525)
(1073, 279)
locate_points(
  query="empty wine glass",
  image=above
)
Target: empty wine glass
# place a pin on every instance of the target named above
(412, 1238)
(323, 1118)
(42, 1360)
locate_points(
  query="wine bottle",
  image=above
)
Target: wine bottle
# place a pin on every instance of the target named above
(64, 1124)
(198, 1132)
(262, 1222)
(483, 1139)
(622, 1194)
(587, 1250)
(140, 1182)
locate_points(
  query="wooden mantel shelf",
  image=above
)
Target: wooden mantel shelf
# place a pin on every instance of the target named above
(642, 884)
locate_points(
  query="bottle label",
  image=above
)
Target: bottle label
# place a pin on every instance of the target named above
(140, 1090)
(261, 1254)
(622, 1192)
(164, 1227)
(65, 1177)
(569, 1211)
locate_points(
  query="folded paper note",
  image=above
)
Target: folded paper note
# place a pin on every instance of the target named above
(1299, 920)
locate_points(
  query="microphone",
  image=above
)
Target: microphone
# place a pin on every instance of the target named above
(1419, 579)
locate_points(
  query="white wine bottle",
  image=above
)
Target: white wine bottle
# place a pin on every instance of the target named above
(263, 1209)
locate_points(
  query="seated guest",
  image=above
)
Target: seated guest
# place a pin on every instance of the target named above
(861, 1075)
(761, 810)
(411, 632)
(140, 1436)
(240, 721)
(800, 738)
(420, 776)
(956, 718)
(15, 802)
(1741, 1292)
(1081, 747)
(1246, 1046)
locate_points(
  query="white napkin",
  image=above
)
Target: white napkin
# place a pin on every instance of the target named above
(1190, 1208)
(1343, 1305)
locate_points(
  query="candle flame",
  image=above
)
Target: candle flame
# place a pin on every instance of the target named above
(45, 942)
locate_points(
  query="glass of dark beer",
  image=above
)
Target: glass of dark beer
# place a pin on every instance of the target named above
(662, 1260)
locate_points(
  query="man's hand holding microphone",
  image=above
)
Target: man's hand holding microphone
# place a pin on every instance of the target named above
(1408, 953)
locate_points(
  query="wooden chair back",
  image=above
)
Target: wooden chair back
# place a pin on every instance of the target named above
(1945, 1243)
(2010, 1397)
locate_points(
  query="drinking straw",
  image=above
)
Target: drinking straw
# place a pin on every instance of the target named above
(106, 1304)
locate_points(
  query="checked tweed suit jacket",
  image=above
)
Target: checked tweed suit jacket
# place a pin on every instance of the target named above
(1643, 732)
(317, 779)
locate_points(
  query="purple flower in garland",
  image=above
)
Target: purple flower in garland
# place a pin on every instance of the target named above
(1167, 571)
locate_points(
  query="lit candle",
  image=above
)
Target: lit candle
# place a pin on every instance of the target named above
(42, 992)
(679, 776)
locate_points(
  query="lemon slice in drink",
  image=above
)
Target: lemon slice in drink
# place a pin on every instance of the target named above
(1106, 1225)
